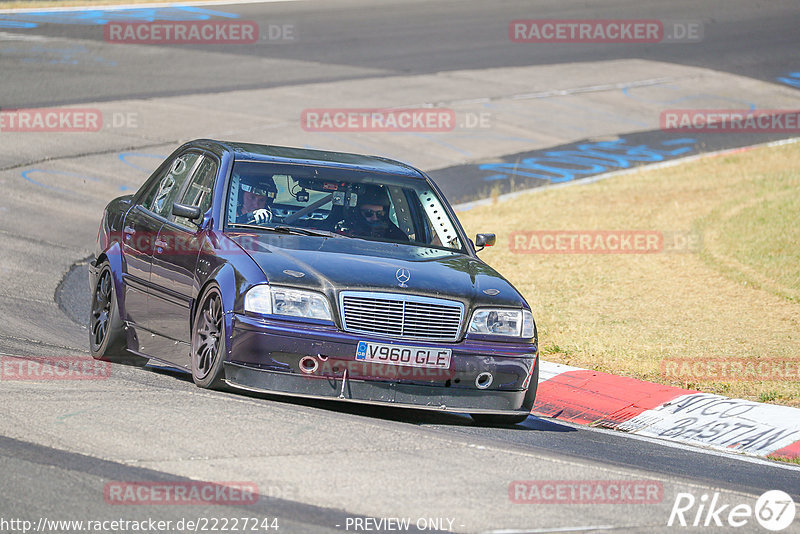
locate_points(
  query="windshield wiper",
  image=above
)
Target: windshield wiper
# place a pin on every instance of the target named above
(288, 230)
(302, 231)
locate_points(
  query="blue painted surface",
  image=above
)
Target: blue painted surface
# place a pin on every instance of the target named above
(99, 17)
(15, 24)
(792, 78)
(587, 159)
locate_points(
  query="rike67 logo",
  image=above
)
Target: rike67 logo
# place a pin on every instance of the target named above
(774, 510)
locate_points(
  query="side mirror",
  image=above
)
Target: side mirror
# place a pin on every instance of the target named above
(187, 212)
(484, 240)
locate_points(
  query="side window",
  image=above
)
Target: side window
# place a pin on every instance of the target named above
(165, 190)
(199, 191)
(150, 189)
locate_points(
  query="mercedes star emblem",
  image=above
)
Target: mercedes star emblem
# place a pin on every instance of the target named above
(403, 276)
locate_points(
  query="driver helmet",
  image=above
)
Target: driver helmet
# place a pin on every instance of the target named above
(259, 186)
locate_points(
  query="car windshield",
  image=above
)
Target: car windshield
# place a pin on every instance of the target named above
(325, 201)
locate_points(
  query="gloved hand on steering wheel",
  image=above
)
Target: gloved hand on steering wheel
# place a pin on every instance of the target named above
(254, 198)
(263, 215)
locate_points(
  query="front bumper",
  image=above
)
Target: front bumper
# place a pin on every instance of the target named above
(318, 361)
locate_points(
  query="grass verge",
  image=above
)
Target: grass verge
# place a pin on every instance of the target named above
(732, 294)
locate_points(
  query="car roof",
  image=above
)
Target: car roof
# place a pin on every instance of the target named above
(306, 156)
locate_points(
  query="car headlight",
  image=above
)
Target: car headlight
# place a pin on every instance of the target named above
(268, 300)
(502, 322)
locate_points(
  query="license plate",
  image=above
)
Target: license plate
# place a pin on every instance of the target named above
(430, 357)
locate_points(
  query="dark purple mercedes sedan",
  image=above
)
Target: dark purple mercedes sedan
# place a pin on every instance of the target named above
(314, 274)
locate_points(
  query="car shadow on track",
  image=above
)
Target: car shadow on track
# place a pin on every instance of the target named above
(386, 413)
(409, 415)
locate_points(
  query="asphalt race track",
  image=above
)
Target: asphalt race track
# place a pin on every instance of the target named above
(324, 466)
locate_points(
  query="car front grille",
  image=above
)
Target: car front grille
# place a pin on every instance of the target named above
(397, 315)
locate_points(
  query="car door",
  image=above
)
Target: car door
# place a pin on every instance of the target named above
(140, 231)
(174, 262)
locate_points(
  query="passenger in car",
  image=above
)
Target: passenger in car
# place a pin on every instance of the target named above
(370, 217)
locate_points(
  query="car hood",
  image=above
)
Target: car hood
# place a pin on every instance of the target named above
(333, 264)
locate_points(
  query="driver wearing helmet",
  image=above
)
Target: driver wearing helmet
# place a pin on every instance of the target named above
(255, 198)
(371, 217)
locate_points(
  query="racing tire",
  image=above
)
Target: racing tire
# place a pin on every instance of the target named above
(208, 341)
(107, 338)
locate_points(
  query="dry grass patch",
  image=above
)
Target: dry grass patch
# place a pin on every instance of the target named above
(737, 296)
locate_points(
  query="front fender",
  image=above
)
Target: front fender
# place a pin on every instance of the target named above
(112, 255)
(225, 278)
(232, 270)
